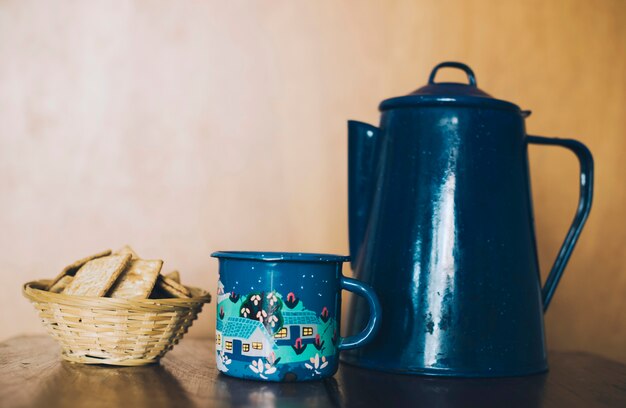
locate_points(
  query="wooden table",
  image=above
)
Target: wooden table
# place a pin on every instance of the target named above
(32, 374)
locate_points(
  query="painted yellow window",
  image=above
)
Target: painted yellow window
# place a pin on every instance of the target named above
(281, 334)
(229, 345)
(218, 339)
(257, 345)
(246, 347)
(307, 331)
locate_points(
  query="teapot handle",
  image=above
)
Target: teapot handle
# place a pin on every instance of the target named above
(582, 212)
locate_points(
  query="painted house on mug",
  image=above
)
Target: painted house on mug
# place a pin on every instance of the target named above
(221, 296)
(301, 325)
(243, 337)
(219, 328)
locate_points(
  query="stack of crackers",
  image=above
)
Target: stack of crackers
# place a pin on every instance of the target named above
(120, 274)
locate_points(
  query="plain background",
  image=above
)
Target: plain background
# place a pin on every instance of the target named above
(188, 127)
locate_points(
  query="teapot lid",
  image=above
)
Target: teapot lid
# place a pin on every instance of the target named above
(448, 93)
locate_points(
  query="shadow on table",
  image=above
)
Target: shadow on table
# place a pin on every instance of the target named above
(246, 393)
(365, 388)
(78, 385)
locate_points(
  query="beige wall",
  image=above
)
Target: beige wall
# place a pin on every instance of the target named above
(221, 125)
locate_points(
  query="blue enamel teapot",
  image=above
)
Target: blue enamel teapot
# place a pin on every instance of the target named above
(441, 226)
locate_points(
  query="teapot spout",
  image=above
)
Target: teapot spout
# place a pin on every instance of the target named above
(363, 153)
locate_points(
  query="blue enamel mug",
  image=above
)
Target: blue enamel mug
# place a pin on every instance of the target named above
(279, 314)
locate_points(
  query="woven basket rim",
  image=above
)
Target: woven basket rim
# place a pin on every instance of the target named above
(35, 291)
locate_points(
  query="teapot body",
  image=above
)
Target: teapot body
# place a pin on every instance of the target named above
(449, 245)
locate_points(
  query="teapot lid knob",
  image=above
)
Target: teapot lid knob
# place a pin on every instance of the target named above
(466, 94)
(451, 89)
(452, 64)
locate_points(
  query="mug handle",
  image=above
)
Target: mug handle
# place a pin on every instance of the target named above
(582, 212)
(364, 337)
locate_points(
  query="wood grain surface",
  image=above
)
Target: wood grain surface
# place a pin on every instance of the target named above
(221, 125)
(32, 375)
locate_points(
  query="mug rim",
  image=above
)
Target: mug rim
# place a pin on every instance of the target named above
(271, 256)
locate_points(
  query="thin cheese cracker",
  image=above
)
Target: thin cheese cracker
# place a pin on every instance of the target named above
(174, 275)
(172, 287)
(126, 249)
(195, 293)
(158, 293)
(137, 281)
(97, 276)
(61, 284)
(70, 270)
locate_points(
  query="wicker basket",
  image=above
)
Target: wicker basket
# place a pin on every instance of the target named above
(99, 330)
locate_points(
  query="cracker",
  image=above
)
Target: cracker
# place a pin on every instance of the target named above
(158, 293)
(195, 293)
(137, 280)
(172, 287)
(97, 276)
(126, 249)
(72, 268)
(61, 284)
(174, 275)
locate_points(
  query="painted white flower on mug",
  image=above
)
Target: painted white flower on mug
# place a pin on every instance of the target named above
(256, 299)
(272, 298)
(223, 361)
(317, 364)
(245, 311)
(263, 370)
(261, 314)
(273, 320)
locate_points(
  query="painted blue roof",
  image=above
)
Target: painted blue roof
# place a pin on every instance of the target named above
(303, 317)
(219, 325)
(242, 327)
